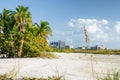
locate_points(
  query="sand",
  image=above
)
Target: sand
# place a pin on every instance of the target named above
(71, 66)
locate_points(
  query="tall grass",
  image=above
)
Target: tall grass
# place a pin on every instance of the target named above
(115, 75)
(4, 77)
(13, 75)
(41, 55)
(67, 50)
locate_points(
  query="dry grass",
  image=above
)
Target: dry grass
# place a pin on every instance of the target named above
(5, 77)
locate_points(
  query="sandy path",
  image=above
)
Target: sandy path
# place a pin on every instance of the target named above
(72, 66)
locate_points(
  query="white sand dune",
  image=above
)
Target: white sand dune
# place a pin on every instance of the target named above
(72, 66)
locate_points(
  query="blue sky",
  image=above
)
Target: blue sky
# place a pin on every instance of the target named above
(67, 17)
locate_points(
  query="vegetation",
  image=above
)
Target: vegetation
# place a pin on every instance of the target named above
(19, 37)
(111, 76)
(108, 52)
(4, 77)
(89, 51)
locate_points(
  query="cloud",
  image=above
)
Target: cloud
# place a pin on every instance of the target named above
(71, 23)
(117, 27)
(104, 22)
(92, 28)
(97, 29)
(93, 25)
(107, 28)
(100, 37)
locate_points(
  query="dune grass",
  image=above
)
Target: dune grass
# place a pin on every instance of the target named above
(111, 76)
(4, 77)
(108, 52)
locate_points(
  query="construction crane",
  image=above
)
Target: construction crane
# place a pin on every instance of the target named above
(86, 37)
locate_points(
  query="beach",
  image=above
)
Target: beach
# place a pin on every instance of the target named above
(71, 66)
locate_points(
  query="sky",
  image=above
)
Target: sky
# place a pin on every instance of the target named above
(67, 18)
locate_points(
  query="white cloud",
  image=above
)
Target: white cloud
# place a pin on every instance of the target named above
(71, 23)
(107, 28)
(99, 31)
(92, 28)
(117, 27)
(104, 22)
(101, 37)
(95, 27)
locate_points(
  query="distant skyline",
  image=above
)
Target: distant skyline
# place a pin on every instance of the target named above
(67, 17)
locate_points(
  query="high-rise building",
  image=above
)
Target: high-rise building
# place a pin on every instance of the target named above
(60, 44)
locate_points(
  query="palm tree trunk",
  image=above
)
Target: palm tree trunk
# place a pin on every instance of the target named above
(21, 47)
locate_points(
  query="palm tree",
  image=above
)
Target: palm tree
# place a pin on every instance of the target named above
(43, 31)
(23, 19)
(6, 21)
(6, 26)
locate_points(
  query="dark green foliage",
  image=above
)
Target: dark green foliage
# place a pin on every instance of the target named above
(19, 37)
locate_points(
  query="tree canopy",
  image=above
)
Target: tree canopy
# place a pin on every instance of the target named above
(19, 37)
